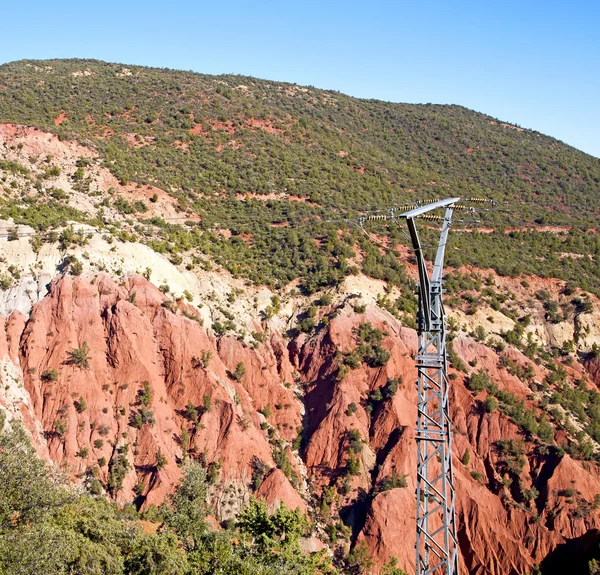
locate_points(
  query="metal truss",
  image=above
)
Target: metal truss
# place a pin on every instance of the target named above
(436, 545)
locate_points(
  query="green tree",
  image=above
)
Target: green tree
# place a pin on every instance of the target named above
(188, 509)
(156, 554)
(270, 532)
(391, 568)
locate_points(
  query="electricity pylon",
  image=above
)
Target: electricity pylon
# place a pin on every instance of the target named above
(436, 546)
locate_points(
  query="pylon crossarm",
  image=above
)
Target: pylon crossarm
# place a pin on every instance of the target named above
(424, 290)
(438, 266)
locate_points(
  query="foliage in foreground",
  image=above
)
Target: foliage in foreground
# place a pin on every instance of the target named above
(46, 527)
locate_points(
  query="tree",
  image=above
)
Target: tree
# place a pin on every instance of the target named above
(156, 554)
(145, 395)
(50, 375)
(479, 381)
(391, 568)
(360, 559)
(491, 403)
(28, 491)
(80, 404)
(270, 532)
(188, 508)
(191, 412)
(46, 528)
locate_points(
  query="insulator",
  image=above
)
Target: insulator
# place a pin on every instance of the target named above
(431, 218)
(461, 208)
(478, 200)
(376, 217)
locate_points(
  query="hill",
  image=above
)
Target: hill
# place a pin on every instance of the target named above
(270, 162)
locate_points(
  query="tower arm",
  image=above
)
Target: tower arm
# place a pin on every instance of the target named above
(424, 288)
(438, 266)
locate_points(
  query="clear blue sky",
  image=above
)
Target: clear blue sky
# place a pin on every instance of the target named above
(531, 62)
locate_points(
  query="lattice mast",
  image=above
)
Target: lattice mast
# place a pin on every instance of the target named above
(436, 544)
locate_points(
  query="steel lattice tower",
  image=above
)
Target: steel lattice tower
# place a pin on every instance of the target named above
(436, 546)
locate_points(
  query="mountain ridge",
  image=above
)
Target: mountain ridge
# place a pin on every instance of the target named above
(273, 162)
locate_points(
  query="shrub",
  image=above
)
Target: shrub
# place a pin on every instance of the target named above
(530, 494)
(145, 395)
(95, 487)
(511, 455)
(352, 360)
(81, 404)
(143, 416)
(240, 371)
(60, 427)
(491, 403)
(191, 412)
(204, 361)
(391, 568)
(161, 460)
(478, 381)
(477, 476)
(50, 375)
(455, 360)
(369, 348)
(353, 466)
(466, 458)
(80, 356)
(394, 481)
(83, 453)
(324, 300)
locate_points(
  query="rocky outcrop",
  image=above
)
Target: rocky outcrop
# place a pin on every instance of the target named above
(119, 384)
(277, 489)
(142, 385)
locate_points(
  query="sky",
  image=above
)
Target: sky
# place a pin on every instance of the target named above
(535, 63)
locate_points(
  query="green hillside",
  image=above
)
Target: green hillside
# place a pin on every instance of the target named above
(212, 140)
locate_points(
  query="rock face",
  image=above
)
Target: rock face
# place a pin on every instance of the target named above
(119, 384)
(89, 411)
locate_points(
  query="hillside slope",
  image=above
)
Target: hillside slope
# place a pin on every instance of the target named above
(270, 161)
(171, 293)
